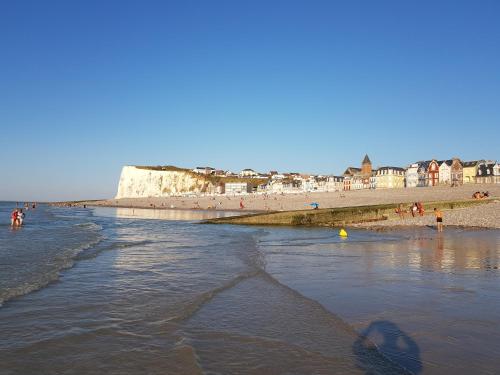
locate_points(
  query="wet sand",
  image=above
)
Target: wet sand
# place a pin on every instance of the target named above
(428, 300)
(174, 297)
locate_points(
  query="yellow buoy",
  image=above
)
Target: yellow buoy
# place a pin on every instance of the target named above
(342, 233)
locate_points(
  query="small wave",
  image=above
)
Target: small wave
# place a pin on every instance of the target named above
(203, 298)
(96, 250)
(26, 288)
(89, 225)
(49, 276)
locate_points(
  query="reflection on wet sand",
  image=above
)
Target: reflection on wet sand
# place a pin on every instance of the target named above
(450, 251)
(172, 214)
(456, 251)
(440, 289)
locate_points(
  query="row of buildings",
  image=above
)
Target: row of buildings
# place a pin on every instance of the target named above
(452, 172)
(245, 173)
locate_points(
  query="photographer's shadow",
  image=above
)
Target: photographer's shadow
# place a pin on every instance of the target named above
(395, 352)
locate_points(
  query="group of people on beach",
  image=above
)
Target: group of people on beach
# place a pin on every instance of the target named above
(415, 208)
(480, 195)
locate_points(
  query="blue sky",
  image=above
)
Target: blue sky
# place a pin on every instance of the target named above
(311, 86)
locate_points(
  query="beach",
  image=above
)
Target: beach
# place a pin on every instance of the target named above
(301, 201)
(485, 216)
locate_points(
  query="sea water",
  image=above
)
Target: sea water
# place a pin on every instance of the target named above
(120, 291)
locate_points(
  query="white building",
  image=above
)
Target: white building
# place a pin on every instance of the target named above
(237, 188)
(280, 186)
(411, 175)
(445, 172)
(248, 173)
(313, 183)
(277, 177)
(373, 180)
(334, 183)
(357, 183)
(204, 170)
(496, 173)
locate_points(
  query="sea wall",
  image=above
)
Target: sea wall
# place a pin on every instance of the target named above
(141, 182)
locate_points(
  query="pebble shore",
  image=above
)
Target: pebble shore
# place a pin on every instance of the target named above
(482, 216)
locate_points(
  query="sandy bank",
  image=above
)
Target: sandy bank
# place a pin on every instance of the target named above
(289, 202)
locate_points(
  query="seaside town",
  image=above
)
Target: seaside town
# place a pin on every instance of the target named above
(453, 172)
(419, 184)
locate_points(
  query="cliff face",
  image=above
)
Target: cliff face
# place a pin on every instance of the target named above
(142, 182)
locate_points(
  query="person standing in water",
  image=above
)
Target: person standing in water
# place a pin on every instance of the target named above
(20, 217)
(439, 219)
(13, 218)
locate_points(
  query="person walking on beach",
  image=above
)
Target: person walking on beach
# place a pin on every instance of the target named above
(439, 219)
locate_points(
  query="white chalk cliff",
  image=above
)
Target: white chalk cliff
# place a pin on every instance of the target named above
(141, 182)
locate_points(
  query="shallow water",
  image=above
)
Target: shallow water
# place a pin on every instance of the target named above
(176, 297)
(32, 256)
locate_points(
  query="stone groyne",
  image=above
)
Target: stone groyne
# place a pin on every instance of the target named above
(337, 217)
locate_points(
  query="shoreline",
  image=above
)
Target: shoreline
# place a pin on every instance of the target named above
(70, 204)
(388, 228)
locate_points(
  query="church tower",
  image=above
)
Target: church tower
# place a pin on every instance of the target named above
(366, 166)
